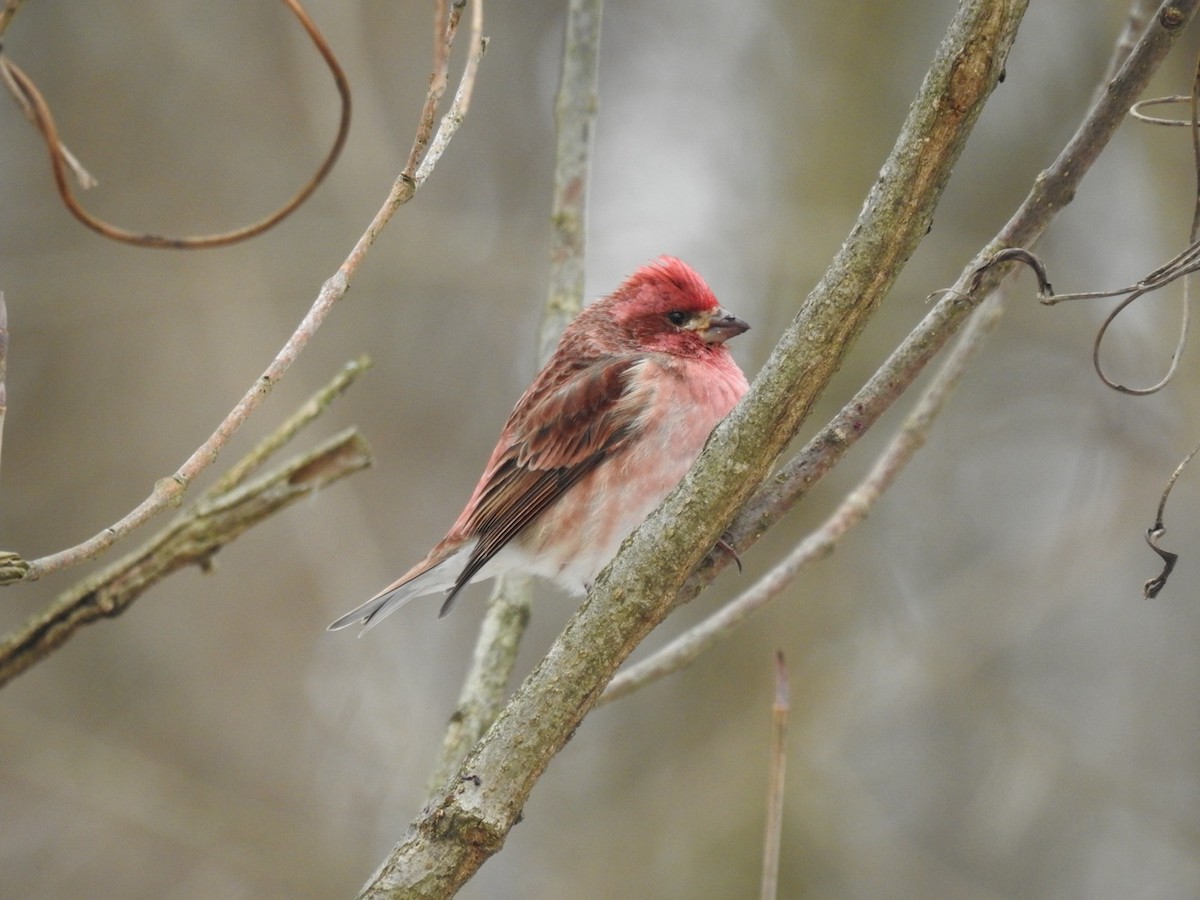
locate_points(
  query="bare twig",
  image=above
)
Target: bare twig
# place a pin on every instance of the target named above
(508, 610)
(467, 821)
(272, 443)
(1183, 263)
(34, 106)
(444, 30)
(169, 491)
(1138, 16)
(773, 839)
(192, 539)
(462, 97)
(687, 647)
(7, 12)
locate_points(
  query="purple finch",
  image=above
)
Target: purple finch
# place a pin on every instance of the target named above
(607, 429)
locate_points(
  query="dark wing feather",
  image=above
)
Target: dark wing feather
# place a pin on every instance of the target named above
(559, 433)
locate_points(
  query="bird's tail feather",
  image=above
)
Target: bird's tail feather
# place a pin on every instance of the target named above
(395, 595)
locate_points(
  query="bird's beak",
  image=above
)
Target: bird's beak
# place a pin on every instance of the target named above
(719, 326)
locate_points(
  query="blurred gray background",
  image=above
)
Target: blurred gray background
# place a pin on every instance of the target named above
(983, 705)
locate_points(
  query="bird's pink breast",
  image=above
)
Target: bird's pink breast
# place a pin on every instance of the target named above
(680, 401)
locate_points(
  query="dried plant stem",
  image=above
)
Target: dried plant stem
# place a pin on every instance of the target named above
(62, 162)
(773, 840)
(1155, 532)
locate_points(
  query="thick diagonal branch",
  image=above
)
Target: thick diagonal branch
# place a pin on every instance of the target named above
(470, 818)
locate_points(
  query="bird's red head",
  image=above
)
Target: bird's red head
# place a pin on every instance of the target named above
(666, 307)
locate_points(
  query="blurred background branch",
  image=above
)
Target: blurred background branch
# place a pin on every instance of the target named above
(773, 832)
(3, 364)
(7, 12)
(192, 539)
(508, 609)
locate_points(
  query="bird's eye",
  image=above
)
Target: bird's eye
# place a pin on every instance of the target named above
(677, 318)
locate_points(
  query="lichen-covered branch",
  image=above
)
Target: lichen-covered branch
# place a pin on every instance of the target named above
(468, 820)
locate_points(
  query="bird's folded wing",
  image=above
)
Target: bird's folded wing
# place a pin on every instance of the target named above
(559, 434)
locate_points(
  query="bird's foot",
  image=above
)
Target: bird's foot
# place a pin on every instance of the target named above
(728, 548)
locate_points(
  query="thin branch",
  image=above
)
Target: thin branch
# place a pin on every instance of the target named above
(169, 491)
(468, 820)
(508, 611)
(1139, 14)
(444, 30)
(277, 439)
(192, 539)
(774, 829)
(35, 108)
(7, 12)
(687, 647)
(462, 97)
